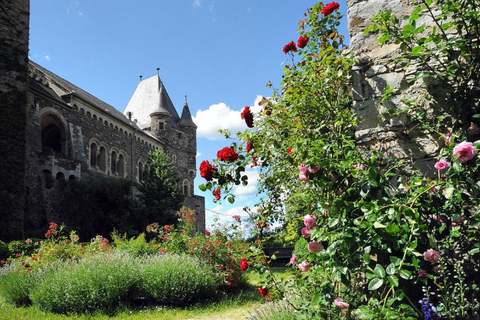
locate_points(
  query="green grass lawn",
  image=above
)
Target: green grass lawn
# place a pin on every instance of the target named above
(231, 306)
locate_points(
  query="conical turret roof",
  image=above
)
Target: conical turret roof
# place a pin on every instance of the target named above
(186, 119)
(162, 104)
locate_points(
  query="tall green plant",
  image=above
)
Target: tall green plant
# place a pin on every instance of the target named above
(159, 193)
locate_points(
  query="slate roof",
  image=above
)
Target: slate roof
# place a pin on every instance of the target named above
(70, 88)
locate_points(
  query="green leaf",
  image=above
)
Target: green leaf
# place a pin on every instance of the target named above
(316, 298)
(448, 192)
(375, 284)
(395, 260)
(405, 274)
(393, 280)
(202, 187)
(474, 251)
(231, 199)
(378, 225)
(363, 312)
(391, 269)
(379, 271)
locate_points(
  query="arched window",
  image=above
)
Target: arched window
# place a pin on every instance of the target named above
(186, 187)
(102, 159)
(146, 172)
(140, 171)
(113, 163)
(93, 155)
(60, 180)
(47, 179)
(53, 135)
(121, 165)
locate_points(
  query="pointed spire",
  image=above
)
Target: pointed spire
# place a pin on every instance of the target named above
(186, 119)
(162, 104)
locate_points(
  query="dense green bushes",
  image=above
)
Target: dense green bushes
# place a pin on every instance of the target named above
(107, 281)
(173, 267)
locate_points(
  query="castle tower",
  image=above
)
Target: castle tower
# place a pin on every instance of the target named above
(161, 118)
(14, 26)
(187, 125)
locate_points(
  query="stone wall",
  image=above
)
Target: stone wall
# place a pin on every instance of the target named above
(372, 72)
(14, 27)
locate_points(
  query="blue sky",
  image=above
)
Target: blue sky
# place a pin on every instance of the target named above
(220, 53)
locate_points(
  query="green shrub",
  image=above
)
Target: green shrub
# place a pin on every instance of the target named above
(136, 246)
(100, 282)
(16, 282)
(4, 251)
(19, 247)
(175, 279)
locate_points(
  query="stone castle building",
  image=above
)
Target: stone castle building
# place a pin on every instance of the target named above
(64, 133)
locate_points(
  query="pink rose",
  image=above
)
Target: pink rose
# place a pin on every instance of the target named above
(303, 177)
(340, 303)
(293, 258)
(304, 266)
(315, 246)
(432, 256)
(313, 170)
(310, 221)
(442, 164)
(422, 273)
(465, 150)
(305, 232)
(359, 166)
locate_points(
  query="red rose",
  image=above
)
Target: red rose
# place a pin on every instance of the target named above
(302, 42)
(249, 146)
(206, 170)
(227, 154)
(216, 193)
(207, 233)
(329, 8)
(263, 291)
(289, 47)
(248, 116)
(289, 150)
(244, 264)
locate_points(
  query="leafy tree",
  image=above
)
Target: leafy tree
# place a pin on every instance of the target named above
(159, 192)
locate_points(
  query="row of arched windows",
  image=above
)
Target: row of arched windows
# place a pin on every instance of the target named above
(107, 161)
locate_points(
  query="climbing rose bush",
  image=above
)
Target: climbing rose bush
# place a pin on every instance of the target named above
(386, 242)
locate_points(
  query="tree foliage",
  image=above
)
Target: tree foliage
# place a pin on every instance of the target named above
(159, 193)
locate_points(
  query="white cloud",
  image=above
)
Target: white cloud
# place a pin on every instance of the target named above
(250, 190)
(223, 216)
(47, 57)
(220, 116)
(198, 154)
(197, 3)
